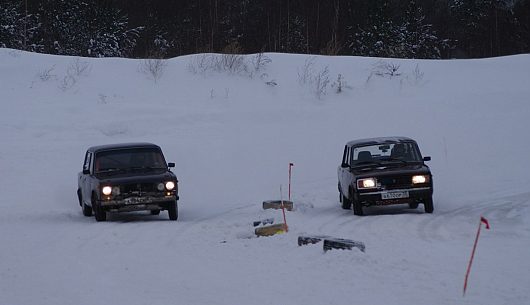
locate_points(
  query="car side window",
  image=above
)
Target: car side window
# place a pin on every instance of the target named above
(88, 157)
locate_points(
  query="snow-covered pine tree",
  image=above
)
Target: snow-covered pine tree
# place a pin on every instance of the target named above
(85, 28)
(18, 30)
(375, 35)
(415, 37)
(486, 27)
(377, 40)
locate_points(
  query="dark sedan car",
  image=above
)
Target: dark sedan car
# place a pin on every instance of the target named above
(127, 177)
(384, 171)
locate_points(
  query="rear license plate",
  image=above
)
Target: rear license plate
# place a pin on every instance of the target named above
(395, 195)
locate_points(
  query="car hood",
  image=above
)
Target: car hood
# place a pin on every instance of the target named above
(137, 178)
(391, 169)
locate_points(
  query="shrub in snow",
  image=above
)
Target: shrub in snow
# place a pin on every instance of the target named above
(316, 81)
(417, 75)
(231, 61)
(46, 74)
(153, 68)
(386, 69)
(67, 82)
(320, 82)
(76, 68)
(340, 84)
(199, 64)
(259, 62)
(306, 73)
(415, 78)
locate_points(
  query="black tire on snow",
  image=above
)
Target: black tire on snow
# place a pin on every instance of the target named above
(172, 211)
(428, 205)
(87, 211)
(357, 208)
(346, 203)
(99, 213)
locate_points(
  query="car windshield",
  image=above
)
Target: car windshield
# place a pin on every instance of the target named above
(402, 152)
(129, 159)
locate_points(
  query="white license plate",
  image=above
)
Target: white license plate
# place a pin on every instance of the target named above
(135, 200)
(395, 195)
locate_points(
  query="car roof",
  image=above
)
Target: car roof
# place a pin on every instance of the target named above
(122, 145)
(379, 141)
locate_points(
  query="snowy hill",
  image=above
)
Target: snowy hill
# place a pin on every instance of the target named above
(232, 135)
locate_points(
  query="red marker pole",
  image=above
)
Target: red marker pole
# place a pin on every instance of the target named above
(485, 221)
(290, 165)
(283, 211)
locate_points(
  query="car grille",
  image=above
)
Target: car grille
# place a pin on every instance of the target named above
(395, 182)
(135, 188)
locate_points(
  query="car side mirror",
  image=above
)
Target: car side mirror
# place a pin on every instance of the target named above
(171, 164)
(426, 158)
(86, 171)
(344, 165)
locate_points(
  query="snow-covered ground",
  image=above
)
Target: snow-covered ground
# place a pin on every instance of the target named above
(232, 137)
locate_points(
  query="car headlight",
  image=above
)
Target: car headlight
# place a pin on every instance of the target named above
(170, 185)
(106, 190)
(160, 186)
(366, 183)
(116, 190)
(418, 179)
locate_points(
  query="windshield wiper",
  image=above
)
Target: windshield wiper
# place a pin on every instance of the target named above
(110, 170)
(367, 162)
(393, 159)
(145, 168)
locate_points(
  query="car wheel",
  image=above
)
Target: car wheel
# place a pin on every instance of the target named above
(99, 213)
(173, 211)
(155, 212)
(428, 205)
(346, 203)
(357, 208)
(413, 205)
(87, 211)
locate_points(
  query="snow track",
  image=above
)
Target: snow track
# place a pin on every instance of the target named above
(232, 139)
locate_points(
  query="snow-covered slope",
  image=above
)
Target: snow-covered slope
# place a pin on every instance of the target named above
(232, 137)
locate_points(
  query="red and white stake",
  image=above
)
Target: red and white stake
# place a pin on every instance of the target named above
(283, 211)
(485, 221)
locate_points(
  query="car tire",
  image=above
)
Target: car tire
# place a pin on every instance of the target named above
(87, 211)
(428, 205)
(155, 212)
(346, 203)
(413, 205)
(172, 211)
(99, 213)
(79, 197)
(357, 208)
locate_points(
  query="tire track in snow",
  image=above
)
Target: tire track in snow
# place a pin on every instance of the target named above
(208, 219)
(498, 210)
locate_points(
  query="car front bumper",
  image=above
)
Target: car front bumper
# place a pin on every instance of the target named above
(139, 203)
(415, 195)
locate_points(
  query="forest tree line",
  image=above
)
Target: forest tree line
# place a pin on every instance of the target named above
(168, 28)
